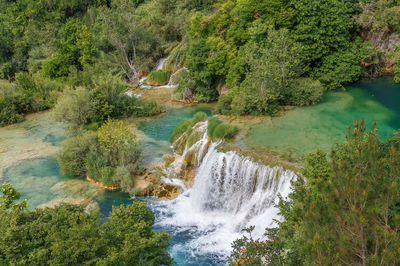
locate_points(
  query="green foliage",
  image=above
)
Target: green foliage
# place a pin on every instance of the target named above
(75, 48)
(159, 77)
(111, 156)
(68, 234)
(71, 159)
(10, 194)
(218, 130)
(213, 122)
(75, 108)
(336, 18)
(379, 16)
(113, 135)
(27, 94)
(224, 131)
(180, 129)
(185, 125)
(341, 67)
(198, 117)
(341, 211)
(272, 77)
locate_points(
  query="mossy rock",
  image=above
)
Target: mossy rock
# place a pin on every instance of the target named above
(194, 137)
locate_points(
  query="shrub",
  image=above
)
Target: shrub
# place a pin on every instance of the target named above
(305, 91)
(159, 76)
(180, 129)
(224, 131)
(73, 152)
(224, 104)
(213, 122)
(13, 106)
(198, 117)
(185, 125)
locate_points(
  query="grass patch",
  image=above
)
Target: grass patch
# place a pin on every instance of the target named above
(218, 130)
(186, 125)
(158, 77)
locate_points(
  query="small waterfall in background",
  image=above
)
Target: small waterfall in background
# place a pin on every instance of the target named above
(230, 192)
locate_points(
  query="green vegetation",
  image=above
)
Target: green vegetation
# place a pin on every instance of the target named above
(216, 129)
(111, 157)
(341, 211)
(187, 124)
(273, 53)
(92, 45)
(251, 56)
(158, 77)
(28, 94)
(69, 234)
(84, 108)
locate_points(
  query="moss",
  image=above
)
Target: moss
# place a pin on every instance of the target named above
(198, 117)
(186, 125)
(158, 77)
(218, 130)
(180, 129)
(224, 131)
(213, 122)
(194, 137)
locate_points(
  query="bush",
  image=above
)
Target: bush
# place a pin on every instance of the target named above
(180, 129)
(71, 235)
(198, 117)
(13, 106)
(75, 108)
(125, 106)
(213, 122)
(224, 131)
(73, 152)
(305, 91)
(186, 125)
(224, 104)
(159, 77)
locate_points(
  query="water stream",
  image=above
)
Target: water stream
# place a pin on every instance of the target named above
(229, 192)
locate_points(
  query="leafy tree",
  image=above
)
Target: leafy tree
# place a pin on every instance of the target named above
(322, 26)
(75, 48)
(272, 77)
(71, 159)
(10, 194)
(132, 46)
(379, 16)
(343, 211)
(68, 234)
(113, 136)
(75, 108)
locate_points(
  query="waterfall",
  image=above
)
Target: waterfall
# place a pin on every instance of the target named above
(230, 192)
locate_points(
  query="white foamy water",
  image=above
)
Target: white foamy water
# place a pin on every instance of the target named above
(230, 192)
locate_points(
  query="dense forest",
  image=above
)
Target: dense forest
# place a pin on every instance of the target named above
(70, 235)
(250, 56)
(344, 210)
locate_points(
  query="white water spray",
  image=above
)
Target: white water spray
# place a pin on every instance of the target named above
(230, 192)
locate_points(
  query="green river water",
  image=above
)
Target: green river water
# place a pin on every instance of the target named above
(28, 150)
(304, 129)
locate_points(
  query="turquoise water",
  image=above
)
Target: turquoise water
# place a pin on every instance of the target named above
(302, 130)
(162, 127)
(158, 130)
(298, 131)
(39, 180)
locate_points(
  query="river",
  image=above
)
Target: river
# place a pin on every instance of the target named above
(206, 218)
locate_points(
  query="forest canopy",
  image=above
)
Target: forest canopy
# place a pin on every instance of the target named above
(70, 235)
(251, 56)
(343, 209)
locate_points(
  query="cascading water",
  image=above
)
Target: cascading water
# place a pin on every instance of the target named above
(230, 192)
